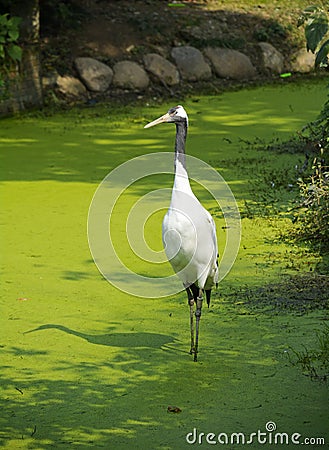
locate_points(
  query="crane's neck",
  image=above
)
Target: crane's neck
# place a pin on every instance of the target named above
(181, 176)
(181, 133)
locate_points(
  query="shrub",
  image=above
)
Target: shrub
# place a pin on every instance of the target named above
(10, 51)
(312, 214)
(316, 24)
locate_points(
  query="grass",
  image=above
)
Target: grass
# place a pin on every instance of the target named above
(315, 361)
(88, 366)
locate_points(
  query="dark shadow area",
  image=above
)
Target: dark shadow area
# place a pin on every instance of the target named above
(127, 340)
(75, 275)
(292, 294)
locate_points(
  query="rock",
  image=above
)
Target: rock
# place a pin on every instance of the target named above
(130, 75)
(49, 80)
(303, 61)
(191, 63)
(70, 86)
(94, 74)
(230, 63)
(161, 68)
(272, 58)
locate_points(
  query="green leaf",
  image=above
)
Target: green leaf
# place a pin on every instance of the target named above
(2, 52)
(311, 9)
(322, 54)
(310, 12)
(13, 28)
(13, 34)
(15, 21)
(3, 20)
(15, 52)
(315, 30)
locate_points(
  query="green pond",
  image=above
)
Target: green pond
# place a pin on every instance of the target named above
(87, 365)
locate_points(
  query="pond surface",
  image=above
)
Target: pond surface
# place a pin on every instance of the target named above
(88, 366)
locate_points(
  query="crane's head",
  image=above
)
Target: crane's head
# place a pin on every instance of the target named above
(177, 115)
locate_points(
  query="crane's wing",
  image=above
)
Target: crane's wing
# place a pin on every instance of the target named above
(209, 245)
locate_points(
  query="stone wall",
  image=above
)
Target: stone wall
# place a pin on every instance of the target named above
(181, 64)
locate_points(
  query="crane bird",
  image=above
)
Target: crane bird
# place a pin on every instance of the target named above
(188, 231)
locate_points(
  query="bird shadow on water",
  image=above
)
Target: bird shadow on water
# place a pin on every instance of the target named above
(114, 339)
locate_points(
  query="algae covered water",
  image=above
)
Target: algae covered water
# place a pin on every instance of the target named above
(86, 365)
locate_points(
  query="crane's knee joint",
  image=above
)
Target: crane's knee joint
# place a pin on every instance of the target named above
(198, 313)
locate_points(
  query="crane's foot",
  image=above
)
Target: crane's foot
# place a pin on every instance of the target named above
(194, 352)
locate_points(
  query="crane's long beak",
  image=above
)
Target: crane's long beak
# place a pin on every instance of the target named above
(162, 119)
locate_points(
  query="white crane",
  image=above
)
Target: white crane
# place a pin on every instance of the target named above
(188, 230)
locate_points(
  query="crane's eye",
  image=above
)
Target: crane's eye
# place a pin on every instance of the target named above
(173, 111)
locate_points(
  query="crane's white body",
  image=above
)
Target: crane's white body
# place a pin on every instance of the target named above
(188, 230)
(189, 235)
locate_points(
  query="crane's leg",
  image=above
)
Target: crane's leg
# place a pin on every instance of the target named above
(191, 305)
(198, 315)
